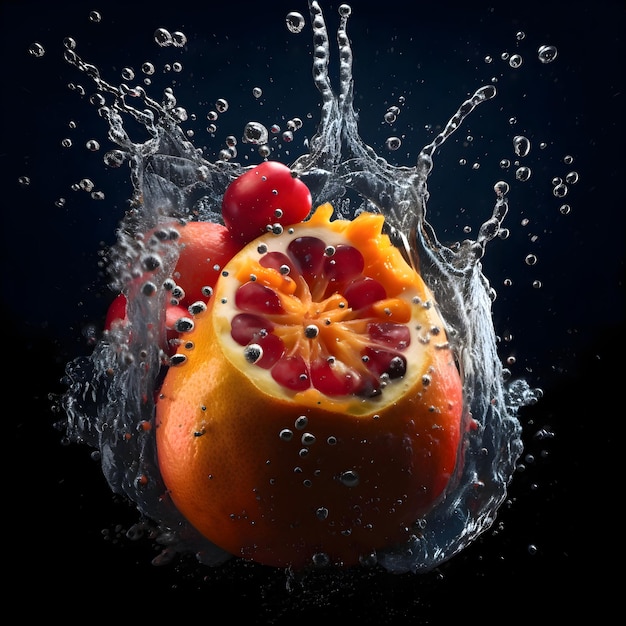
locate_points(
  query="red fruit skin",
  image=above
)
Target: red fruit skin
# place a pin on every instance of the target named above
(263, 196)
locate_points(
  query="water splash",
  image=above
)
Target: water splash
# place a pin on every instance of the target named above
(110, 399)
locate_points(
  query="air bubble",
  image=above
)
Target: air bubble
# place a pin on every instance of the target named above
(295, 22)
(349, 478)
(393, 143)
(301, 422)
(179, 39)
(163, 37)
(521, 145)
(501, 188)
(36, 50)
(257, 92)
(321, 513)
(255, 133)
(523, 173)
(92, 145)
(531, 259)
(515, 61)
(571, 178)
(221, 105)
(95, 17)
(253, 353)
(547, 54)
(560, 190)
(286, 434)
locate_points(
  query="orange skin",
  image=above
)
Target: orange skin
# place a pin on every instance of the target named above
(259, 497)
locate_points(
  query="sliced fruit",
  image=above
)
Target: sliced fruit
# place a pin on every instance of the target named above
(317, 412)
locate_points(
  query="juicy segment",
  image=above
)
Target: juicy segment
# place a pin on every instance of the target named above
(317, 315)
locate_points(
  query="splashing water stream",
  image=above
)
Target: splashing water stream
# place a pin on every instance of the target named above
(109, 401)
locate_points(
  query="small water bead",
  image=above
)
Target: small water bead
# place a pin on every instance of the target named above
(560, 190)
(393, 143)
(505, 164)
(537, 284)
(97, 195)
(521, 145)
(23, 181)
(571, 178)
(179, 39)
(148, 68)
(92, 145)
(221, 105)
(66, 142)
(114, 158)
(565, 209)
(286, 434)
(523, 173)
(163, 37)
(177, 66)
(321, 513)
(59, 202)
(515, 61)
(520, 35)
(36, 50)
(287, 136)
(501, 188)
(255, 133)
(488, 59)
(531, 259)
(547, 54)
(128, 73)
(301, 422)
(69, 43)
(95, 17)
(295, 22)
(349, 478)
(86, 184)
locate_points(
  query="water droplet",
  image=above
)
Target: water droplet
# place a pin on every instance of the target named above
(520, 35)
(547, 54)
(23, 181)
(128, 73)
(521, 145)
(308, 439)
(571, 178)
(36, 50)
(568, 159)
(560, 190)
(221, 105)
(565, 209)
(66, 142)
(530, 259)
(253, 353)
(163, 37)
(95, 17)
(93, 145)
(179, 39)
(515, 61)
(301, 422)
(523, 173)
(114, 158)
(393, 143)
(286, 434)
(257, 92)
(295, 22)
(349, 478)
(501, 188)
(488, 59)
(321, 513)
(255, 133)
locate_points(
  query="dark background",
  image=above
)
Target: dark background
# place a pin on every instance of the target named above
(551, 550)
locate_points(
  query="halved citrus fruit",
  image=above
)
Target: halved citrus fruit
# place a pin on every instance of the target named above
(315, 408)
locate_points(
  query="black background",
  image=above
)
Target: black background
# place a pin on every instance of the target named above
(64, 530)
